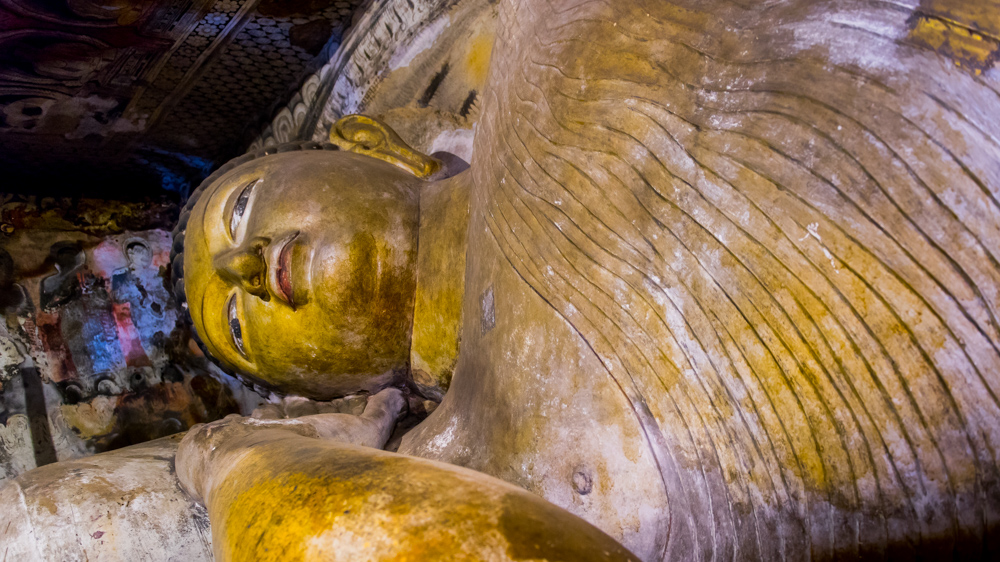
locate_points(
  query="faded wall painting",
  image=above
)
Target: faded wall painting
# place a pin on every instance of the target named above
(93, 355)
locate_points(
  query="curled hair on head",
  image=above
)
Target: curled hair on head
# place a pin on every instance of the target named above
(176, 275)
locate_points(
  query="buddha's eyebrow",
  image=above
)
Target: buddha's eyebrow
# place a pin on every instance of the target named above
(204, 325)
(205, 333)
(204, 219)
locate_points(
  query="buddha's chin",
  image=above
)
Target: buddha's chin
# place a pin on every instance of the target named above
(330, 387)
(323, 385)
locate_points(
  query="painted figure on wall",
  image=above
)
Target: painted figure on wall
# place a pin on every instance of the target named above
(89, 348)
(730, 289)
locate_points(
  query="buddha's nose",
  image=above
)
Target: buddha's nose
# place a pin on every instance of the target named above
(245, 266)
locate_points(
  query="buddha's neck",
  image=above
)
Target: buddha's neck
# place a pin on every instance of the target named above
(437, 314)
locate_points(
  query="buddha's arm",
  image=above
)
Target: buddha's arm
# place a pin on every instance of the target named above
(293, 490)
(201, 453)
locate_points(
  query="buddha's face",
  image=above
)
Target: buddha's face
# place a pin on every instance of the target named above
(299, 270)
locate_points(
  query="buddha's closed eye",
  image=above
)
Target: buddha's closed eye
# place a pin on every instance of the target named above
(240, 207)
(234, 325)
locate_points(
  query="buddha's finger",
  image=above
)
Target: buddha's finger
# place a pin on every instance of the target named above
(370, 429)
(268, 412)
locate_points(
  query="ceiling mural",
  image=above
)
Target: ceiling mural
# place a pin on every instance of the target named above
(126, 98)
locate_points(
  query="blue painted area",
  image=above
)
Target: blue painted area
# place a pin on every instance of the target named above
(150, 307)
(178, 172)
(102, 345)
(98, 332)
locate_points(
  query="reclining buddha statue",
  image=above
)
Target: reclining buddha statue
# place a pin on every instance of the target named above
(730, 287)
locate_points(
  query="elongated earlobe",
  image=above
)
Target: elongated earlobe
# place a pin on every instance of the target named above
(371, 137)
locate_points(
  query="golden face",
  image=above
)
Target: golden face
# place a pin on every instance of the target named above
(299, 270)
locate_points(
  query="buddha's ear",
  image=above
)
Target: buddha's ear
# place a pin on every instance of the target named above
(371, 137)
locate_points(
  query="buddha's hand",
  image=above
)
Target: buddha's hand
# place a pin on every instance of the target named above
(210, 450)
(297, 407)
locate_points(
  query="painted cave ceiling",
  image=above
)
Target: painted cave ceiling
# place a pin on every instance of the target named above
(119, 98)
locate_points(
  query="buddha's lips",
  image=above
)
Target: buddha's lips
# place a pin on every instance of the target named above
(285, 272)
